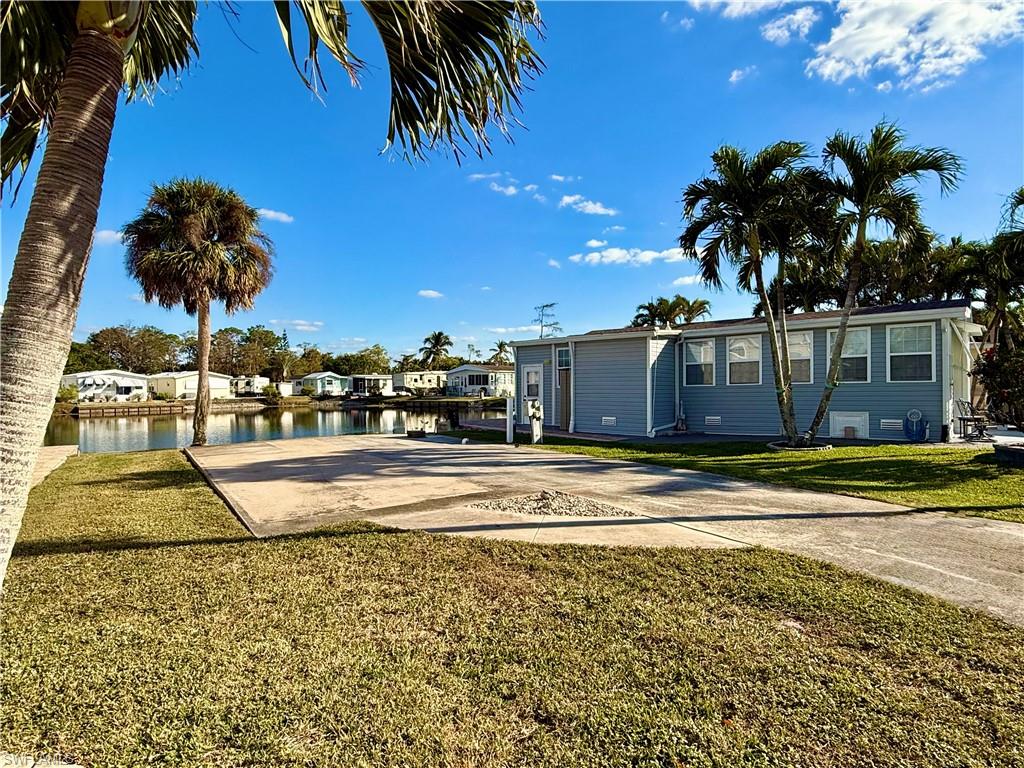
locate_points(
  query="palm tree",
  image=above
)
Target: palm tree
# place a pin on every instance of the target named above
(690, 311)
(871, 180)
(502, 353)
(197, 242)
(456, 69)
(667, 312)
(435, 348)
(731, 215)
(999, 272)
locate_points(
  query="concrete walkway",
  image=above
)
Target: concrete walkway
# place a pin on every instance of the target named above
(51, 457)
(287, 486)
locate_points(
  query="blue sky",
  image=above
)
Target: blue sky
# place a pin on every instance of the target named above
(634, 99)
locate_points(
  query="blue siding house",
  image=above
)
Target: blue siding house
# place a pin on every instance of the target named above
(716, 377)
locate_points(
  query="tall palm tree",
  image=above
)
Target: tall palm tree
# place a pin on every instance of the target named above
(196, 242)
(502, 353)
(456, 69)
(871, 180)
(690, 310)
(999, 273)
(668, 312)
(435, 348)
(731, 215)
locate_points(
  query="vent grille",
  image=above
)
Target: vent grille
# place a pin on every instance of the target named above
(609, 421)
(712, 421)
(891, 424)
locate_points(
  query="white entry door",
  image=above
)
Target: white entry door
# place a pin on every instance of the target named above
(531, 387)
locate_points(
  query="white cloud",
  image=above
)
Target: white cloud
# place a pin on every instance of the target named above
(884, 87)
(796, 24)
(613, 228)
(734, 9)
(665, 16)
(591, 207)
(539, 197)
(304, 326)
(106, 237)
(685, 23)
(686, 280)
(348, 343)
(486, 288)
(509, 190)
(559, 178)
(740, 74)
(480, 176)
(429, 293)
(514, 329)
(530, 188)
(273, 215)
(634, 257)
(554, 264)
(594, 243)
(139, 297)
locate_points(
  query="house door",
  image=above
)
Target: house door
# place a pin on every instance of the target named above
(564, 398)
(533, 375)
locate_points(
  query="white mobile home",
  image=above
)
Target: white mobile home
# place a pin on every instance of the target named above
(249, 386)
(182, 385)
(372, 384)
(481, 380)
(110, 384)
(323, 383)
(417, 382)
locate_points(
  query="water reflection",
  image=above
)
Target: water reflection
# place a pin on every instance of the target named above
(141, 433)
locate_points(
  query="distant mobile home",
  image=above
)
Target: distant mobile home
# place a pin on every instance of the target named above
(108, 384)
(417, 381)
(181, 385)
(249, 386)
(481, 380)
(372, 384)
(716, 377)
(323, 383)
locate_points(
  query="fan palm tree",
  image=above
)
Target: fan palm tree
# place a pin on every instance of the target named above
(456, 69)
(871, 180)
(435, 348)
(731, 215)
(502, 353)
(196, 242)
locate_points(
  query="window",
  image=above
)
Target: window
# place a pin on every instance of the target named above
(124, 390)
(532, 383)
(855, 366)
(744, 359)
(911, 352)
(699, 359)
(801, 356)
(564, 360)
(477, 379)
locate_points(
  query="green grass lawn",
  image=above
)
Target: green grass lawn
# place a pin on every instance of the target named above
(141, 626)
(958, 480)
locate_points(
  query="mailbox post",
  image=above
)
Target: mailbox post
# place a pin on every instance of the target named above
(535, 410)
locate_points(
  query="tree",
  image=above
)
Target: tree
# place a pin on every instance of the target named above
(281, 363)
(1001, 373)
(999, 272)
(455, 70)
(731, 215)
(85, 357)
(435, 347)
(196, 242)
(141, 350)
(871, 180)
(668, 312)
(502, 353)
(546, 320)
(405, 364)
(472, 352)
(224, 351)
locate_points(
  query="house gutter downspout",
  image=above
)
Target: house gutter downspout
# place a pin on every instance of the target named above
(947, 387)
(650, 409)
(572, 386)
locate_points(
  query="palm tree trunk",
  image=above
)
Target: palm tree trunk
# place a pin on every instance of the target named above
(46, 279)
(836, 355)
(782, 391)
(202, 410)
(785, 363)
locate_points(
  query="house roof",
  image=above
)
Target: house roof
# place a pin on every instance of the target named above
(800, 317)
(180, 374)
(108, 372)
(371, 375)
(323, 375)
(483, 367)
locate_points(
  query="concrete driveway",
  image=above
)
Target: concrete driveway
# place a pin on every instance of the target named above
(287, 486)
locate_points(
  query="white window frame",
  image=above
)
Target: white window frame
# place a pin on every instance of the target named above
(791, 334)
(889, 354)
(558, 365)
(829, 343)
(760, 360)
(714, 361)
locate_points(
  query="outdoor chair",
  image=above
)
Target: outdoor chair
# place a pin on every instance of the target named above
(973, 422)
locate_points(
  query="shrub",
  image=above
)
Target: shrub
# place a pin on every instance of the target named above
(308, 391)
(67, 394)
(271, 395)
(160, 396)
(1001, 373)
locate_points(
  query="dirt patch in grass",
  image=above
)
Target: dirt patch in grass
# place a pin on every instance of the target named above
(142, 626)
(554, 503)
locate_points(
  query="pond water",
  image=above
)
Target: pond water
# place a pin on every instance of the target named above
(142, 433)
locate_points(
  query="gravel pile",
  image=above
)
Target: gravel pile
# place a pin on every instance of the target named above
(554, 503)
